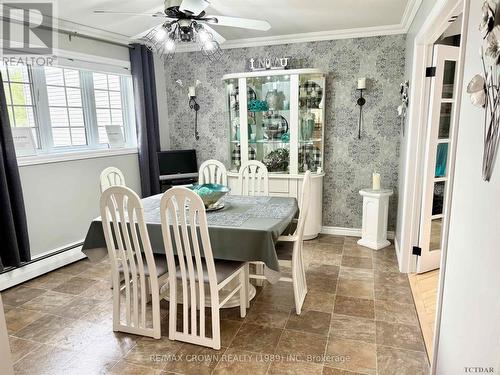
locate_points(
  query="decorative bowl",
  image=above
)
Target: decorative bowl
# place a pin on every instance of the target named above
(210, 193)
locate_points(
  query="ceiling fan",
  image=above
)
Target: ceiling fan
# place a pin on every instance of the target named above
(185, 21)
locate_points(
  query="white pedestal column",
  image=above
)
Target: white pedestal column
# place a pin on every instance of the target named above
(375, 212)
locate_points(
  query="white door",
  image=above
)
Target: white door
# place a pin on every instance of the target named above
(440, 128)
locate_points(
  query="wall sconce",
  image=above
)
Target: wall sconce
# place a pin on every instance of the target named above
(361, 102)
(193, 104)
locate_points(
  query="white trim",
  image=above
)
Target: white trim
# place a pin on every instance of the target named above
(361, 32)
(410, 12)
(75, 155)
(35, 269)
(95, 60)
(349, 232)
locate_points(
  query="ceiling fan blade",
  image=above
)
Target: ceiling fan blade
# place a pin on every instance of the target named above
(194, 6)
(243, 23)
(157, 14)
(219, 38)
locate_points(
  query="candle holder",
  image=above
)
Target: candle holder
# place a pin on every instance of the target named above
(361, 102)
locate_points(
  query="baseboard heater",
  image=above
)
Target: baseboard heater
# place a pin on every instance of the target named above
(45, 263)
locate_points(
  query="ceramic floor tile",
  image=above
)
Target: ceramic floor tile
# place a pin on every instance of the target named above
(392, 361)
(152, 353)
(295, 368)
(124, 368)
(19, 347)
(355, 288)
(310, 321)
(351, 327)
(273, 316)
(75, 285)
(76, 308)
(48, 281)
(100, 290)
(400, 336)
(360, 307)
(355, 250)
(19, 318)
(19, 295)
(196, 360)
(322, 238)
(302, 346)
(356, 274)
(356, 262)
(44, 329)
(46, 360)
(257, 339)
(48, 301)
(241, 363)
(352, 355)
(319, 301)
(280, 294)
(76, 268)
(395, 312)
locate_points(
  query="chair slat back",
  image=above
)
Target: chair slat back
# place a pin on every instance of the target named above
(127, 239)
(305, 200)
(111, 176)
(212, 172)
(253, 179)
(185, 232)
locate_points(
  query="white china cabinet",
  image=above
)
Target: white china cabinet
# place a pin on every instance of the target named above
(278, 118)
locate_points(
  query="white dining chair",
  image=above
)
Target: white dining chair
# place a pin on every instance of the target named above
(111, 176)
(253, 179)
(212, 172)
(137, 276)
(289, 248)
(185, 229)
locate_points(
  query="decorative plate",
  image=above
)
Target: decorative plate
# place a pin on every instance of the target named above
(215, 207)
(310, 94)
(274, 126)
(234, 97)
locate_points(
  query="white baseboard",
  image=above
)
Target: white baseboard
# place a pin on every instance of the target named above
(38, 268)
(350, 232)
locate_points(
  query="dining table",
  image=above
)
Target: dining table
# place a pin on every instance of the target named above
(245, 229)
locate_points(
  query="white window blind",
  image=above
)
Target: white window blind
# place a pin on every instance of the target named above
(65, 107)
(18, 89)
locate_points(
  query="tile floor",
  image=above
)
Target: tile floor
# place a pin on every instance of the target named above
(358, 318)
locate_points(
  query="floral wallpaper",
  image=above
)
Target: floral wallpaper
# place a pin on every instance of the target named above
(349, 162)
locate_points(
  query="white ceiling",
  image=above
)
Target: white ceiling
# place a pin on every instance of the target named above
(285, 16)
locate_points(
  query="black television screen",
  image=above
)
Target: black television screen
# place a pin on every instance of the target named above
(177, 162)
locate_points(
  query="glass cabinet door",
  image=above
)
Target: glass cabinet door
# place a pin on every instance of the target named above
(268, 117)
(233, 118)
(311, 122)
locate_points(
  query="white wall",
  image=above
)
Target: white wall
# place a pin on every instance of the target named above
(470, 324)
(62, 198)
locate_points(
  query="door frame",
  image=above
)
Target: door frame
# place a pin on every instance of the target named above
(435, 24)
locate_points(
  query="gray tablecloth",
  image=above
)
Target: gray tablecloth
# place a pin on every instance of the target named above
(245, 230)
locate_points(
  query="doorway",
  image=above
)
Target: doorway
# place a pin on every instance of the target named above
(437, 175)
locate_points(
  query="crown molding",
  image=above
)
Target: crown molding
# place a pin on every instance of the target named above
(409, 14)
(361, 32)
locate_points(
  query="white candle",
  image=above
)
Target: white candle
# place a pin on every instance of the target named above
(376, 181)
(361, 83)
(192, 91)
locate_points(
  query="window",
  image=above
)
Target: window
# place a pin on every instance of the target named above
(108, 103)
(18, 92)
(67, 108)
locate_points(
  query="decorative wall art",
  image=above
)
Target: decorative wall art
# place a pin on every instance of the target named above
(403, 108)
(484, 89)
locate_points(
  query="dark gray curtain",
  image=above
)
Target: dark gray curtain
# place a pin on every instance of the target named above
(14, 242)
(148, 128)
